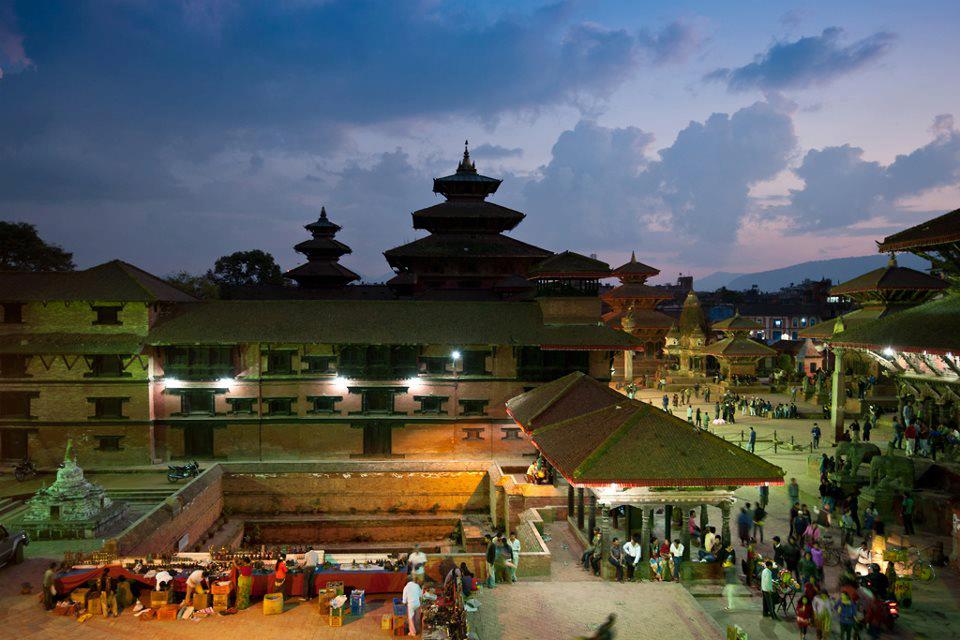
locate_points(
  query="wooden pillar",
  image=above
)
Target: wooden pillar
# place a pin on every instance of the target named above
(614, 515)
(627, 522)
(593, 513)
(685, 539)
(606, 537)
(839, 400)
(667, 521)
(570, 507)
(704, 521)
(725, 528)
(628, 366)
(580, 510)
(647, 515)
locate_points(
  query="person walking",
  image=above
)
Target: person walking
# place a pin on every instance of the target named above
(690, 413)
(759, 516)
(412, 594)
(822, 615)
(846, 615)
(665, 401)
(743, 527)
(793, 491)
(49, 590)
(752, 443)
(804, 615)
(815, 435)
(515, 547)
(491, 561)
(764, 495)
(906, 511)
(766, 588)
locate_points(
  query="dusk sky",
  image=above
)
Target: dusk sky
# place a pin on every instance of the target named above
(734, 136)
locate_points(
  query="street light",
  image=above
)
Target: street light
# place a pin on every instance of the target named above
(455, 355)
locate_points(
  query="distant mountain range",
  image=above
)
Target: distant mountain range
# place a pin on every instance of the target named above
(838, 270)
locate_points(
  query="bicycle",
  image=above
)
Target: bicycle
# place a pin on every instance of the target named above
(832, 555)
(908, 562)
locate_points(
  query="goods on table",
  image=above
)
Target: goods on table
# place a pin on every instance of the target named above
(218, 588)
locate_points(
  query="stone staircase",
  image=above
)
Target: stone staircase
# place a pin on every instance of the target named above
(10, 507)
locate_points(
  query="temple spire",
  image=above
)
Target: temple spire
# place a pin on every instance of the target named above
(466, 165)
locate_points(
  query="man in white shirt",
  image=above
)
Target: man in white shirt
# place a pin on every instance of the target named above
(194, 585)
(766, 588)
(311, 559)
(676, 551)
(515, 546)
(631, 556)
(418, 563)
(163, 579)
(411, 598)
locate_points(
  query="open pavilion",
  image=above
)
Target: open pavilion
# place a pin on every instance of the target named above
(625, 460)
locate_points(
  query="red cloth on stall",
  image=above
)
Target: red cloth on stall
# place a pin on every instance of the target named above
(69, 581)
(369, 581)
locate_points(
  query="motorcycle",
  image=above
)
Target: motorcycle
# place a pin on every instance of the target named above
(24, 469)
(179, 472)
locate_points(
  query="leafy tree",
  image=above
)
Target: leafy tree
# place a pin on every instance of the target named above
(247, 268)
(22, 249)
(198, 285)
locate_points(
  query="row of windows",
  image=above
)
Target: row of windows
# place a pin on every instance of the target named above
(13, 314)
(795, 323)
(101, 366)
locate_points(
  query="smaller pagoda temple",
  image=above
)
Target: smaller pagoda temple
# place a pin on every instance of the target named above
(736, 353)
(72, 507)
(632, 308)
(686, 341)
(322, 269)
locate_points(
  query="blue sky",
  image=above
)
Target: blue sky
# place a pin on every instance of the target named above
(705, 136)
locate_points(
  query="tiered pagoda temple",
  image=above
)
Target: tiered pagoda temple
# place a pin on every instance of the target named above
(466, 248)
(632, 308)
(736, 353)
(323, 269)
(686, 340)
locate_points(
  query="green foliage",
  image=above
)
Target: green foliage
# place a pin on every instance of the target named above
(247, 268)
(22, 249)
(198, 285)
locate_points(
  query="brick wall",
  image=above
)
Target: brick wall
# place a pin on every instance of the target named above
(188, 512)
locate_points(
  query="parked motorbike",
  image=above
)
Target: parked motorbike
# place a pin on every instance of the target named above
(179, 472)
(25, 469)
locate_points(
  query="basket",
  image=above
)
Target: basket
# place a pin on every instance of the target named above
(272, 604)
(335, 619)
(221, 588)
(386, 622)
(79, 595)
(200, 601)
(94, 606)
(159, 598)
(221, 601)
(324, 596)
(399, 625)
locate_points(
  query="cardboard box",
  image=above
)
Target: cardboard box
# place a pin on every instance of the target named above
(168, 612)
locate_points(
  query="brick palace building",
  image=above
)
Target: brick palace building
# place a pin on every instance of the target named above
(136, 371)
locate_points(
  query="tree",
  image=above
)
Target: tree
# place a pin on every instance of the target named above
(198, 285)
(22, 249)
(246, 269)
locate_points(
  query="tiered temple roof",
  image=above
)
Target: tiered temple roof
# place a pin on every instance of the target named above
(323, 269)
(596, 437)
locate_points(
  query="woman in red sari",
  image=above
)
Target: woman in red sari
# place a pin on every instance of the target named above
(804, 615)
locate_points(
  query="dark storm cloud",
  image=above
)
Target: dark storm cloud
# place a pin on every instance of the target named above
(601, 187)
(805, 62)
(841, 188)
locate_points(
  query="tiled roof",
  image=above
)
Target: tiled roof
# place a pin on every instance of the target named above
(332, 271)
(569, 263)
(378, 322)
(114, 281)
(634, 290)
(634, 268)
(791, 347)
(595, 438)
(467, 209)
(480, 245)
(738, 345)
(890, 278)
(71, 343)
(824, 330)
(737, 323)
(941, 230)
(933, 326)
(642, 319)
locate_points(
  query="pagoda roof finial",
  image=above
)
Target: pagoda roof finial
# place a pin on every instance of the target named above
(892, 262)
(323, 213)
(466, 165)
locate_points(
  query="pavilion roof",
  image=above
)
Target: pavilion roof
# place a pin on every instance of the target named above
(636, 291)
(327, 270)
(570, 264)
(642, 319)
(346, 321)
(890, 278)
(738, 346)
(111, 281)
(465, 245)
(467, 213)
(933, 326)
(635, 269)
(941, 230)
(825, 330)
(595, 436)
(737, 323)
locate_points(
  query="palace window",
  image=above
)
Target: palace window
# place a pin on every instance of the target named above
(197, 402)
(107, 315)
(198, 363)
(324, 404)
(319, 364)
(109, 443)
(242, 406)
(433, 365)
(108, 407)
(473, 407)
(12, 312)
(378, 361)
(475, 363)
(279, 361)
(430, 405)
(280, 406)
(537, 364)
(16, 404)
(793, 323)
(107, 366)
(378, 401)
(13, 366)
(778, 322)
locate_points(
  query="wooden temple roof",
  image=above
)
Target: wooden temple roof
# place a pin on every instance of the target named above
(635, 270)
(569, 264)
(738, 345)
(889, 278)
(736, 323)
(379, 322)
(596, 437)
(932, 327)
(479, 245)
(114, 281)
(642, 319)
(941, 230)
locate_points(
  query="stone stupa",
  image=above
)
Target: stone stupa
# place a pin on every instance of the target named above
(72, 507)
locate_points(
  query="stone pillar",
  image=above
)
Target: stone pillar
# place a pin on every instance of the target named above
(647, 515)
(725, 527)
(685, 539)
(607, 570)
(570, 507)
(839, 399)
(616, 519)
(704, 521)
(628, 366)
(593, 513)
(667, 521)
(627, 522)
(580, 509)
